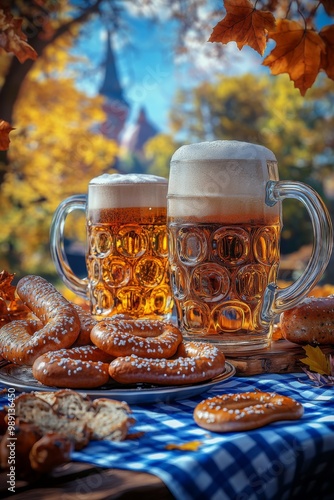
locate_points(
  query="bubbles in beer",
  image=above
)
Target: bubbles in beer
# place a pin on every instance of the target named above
(219, 293)
(128, 261)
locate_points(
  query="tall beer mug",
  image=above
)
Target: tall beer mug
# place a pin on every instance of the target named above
(127, 250)
(224, 224)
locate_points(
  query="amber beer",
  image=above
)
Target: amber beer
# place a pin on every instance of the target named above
(127, 256)
(224, 241)
(127, 249)
(224, 221)
(220, 295)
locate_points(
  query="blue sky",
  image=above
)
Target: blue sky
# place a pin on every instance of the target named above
(148, 69)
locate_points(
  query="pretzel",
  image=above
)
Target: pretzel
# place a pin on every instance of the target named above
(87, 321)
(61, 325)
(245, 411)
(144, 338)
(51, 450)
(311, 322)
(81, 367)
(194, 362)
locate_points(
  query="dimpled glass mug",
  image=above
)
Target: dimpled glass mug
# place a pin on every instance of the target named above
(224, 223)
(127, 249)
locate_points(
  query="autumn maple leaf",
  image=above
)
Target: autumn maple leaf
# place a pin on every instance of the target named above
(316, 360)
(244, 25)
(327, 58)
(9, 307)
(298, 52)
(7, 290)
(328, 6)
(12, 38)
(321, 367)
(5, 128)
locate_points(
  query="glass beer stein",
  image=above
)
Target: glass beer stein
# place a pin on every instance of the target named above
(127, 249)
(224, 223)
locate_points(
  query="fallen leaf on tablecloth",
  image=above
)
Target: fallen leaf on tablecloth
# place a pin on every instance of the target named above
(190, 446)
(319, 380)
(321, 366)
(316, 360)
(245, 25)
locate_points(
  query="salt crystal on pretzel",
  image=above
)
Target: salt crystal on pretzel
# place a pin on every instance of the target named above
(83, 367)
(145, 338)
(195, 362)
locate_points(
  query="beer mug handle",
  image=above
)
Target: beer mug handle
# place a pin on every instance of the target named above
(277, 300)
(57, 248)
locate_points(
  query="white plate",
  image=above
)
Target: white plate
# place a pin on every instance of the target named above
(21, 378)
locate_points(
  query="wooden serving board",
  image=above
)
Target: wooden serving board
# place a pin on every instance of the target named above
(282, 357)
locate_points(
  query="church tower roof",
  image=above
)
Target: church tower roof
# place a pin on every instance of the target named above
(142, 132)
(115, 106)
(111, 87)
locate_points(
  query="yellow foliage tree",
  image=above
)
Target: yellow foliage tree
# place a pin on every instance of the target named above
(159, 151)
(56, 151)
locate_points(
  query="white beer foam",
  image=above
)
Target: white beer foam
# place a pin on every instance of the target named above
(128, 179)
(223, 150)
(126, 191)
(220, 177)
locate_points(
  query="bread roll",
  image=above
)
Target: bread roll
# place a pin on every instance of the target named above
(311, 322)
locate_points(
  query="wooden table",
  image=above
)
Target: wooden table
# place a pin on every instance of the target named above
(281, 357)
(75, 481)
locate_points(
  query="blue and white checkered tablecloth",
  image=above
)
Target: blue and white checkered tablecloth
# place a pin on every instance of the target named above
(281, 461)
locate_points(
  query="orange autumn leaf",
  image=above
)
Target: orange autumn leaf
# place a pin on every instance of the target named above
(10, 306)
(7, 290)
(5, 128)
(244, 25)
(298, 52)
(12, 38)
(327, 58)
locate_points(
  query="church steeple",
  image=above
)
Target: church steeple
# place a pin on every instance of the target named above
(111, 87)
(116, 106)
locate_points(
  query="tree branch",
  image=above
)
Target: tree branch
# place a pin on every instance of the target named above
(17, 72)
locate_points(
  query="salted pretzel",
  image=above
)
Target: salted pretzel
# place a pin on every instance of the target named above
(81, 367)
(145, 338)
(87, 322)
(245, 411)
(61, 324)
(194, 362)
